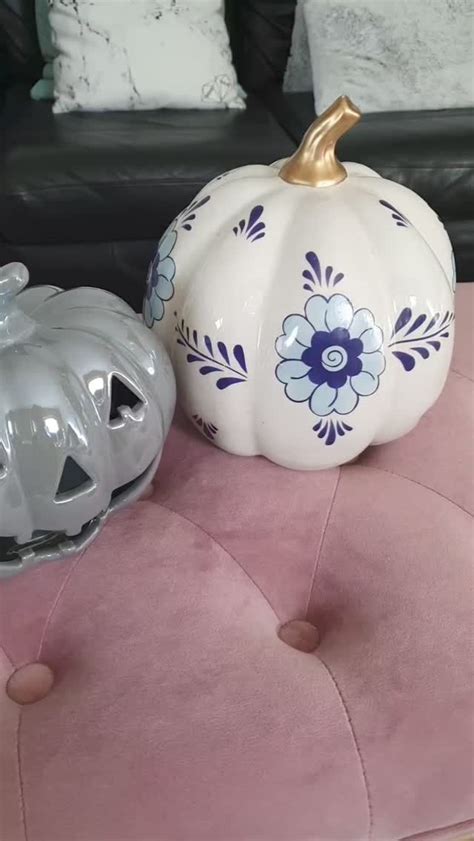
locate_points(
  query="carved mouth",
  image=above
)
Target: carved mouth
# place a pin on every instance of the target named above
(51, 546)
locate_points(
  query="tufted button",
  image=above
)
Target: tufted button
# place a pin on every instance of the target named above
(30, 683)
(300, 635)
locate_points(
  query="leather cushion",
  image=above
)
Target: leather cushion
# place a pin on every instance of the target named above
(261, 36)
(19, 46)
(120, 267)
(431, 152)
(112, 176)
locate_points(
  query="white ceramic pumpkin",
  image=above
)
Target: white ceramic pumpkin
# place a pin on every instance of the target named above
(307, 306)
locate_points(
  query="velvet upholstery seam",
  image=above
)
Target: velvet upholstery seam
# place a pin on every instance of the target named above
(358, 751)
(420, 485)
(464, 826)
(21, 791)
(321, 543)
(224, 549)
(463, 376)
(7, 656)
(55, 604)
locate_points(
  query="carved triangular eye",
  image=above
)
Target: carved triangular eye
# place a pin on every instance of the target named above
(121, 396)
(73, 479)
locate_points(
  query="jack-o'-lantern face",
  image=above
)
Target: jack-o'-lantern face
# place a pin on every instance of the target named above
(87, 400)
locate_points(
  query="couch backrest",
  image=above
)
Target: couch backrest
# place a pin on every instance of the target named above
(260, 32)
(18, 39)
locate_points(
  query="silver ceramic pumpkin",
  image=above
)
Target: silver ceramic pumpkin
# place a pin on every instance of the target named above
(87, 395)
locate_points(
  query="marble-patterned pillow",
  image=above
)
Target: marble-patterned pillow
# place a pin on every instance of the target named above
(142, 54)
(391, 55)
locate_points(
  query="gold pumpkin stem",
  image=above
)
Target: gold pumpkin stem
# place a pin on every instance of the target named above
(314, 163)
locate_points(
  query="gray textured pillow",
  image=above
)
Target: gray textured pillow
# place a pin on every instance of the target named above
(391, 55)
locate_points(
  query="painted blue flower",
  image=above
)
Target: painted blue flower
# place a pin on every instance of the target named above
(331, 355)
(160, 286)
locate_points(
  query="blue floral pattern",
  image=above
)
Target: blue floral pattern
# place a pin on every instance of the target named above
(207, 429)
(159, 285)
(397, 215)
(161, 273)
(315, 276)
(230, 367)
(415, 337)
(331, 356)
(188, 215)
(253, 228)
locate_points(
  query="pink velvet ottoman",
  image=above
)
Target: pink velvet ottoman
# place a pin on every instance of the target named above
(178, 714)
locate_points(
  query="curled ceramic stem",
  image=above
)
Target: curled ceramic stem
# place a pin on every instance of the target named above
(314, 163)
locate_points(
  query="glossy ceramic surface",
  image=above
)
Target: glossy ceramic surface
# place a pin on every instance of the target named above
(304, 324)
(87, 396)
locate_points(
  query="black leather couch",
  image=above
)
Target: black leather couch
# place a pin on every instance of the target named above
(85, 197)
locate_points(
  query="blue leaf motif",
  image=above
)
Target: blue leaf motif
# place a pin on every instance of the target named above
(207, 369)
(420, 342)
(313, 261)
(240, 357)
(255, 214)
(315, 274)
(323, 431)
(332, 435)
(208, 429)
(431, 323)
(399, 218)
(187, 217)
(330, 431)
(252, 227)
(200, 203)
(402, 320)
(417, 323)
(223, 352)
(407, 361)
(257, 228)
(225, 382)
(424, 352)
(209, 364)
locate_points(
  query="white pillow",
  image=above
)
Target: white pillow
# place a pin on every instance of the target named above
(139, 54)
(391, 55)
